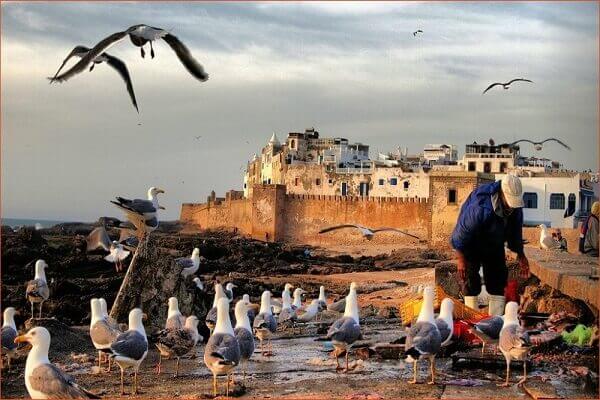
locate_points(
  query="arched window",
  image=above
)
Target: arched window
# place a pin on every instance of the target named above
(557, 201)
(292, 143)
(530, 199)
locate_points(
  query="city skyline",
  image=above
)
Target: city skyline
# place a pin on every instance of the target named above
(348, 70)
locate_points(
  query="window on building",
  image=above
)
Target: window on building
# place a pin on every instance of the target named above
(244, 186)
(393, 181)
(381, 181)
(296, 180)
(472, 165)
(269, 181)
(318, 182)
(530, 199)
(451, 196)
(557, 201)
(292, 143)
(487, 167)
(503, 166)
(330, 181)
(406, 185)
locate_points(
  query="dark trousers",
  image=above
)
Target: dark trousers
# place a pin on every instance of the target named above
(495, 273)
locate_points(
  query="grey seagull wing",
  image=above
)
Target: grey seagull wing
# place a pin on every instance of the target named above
(121, 68)
(186, 58)
(77, 50)
(491, 86)
(557, 141)
(518, 80)
(55, 384)
(332, 228)
(98, 238)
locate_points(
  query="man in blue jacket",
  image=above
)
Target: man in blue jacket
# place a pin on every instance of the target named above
(491, 216)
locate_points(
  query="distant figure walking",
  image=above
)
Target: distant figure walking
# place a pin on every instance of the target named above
(588, 238)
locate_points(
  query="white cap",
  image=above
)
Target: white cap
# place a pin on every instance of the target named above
(512, 190)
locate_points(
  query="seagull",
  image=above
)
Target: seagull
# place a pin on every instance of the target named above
(175, 320)
(445, 322)
(142, 213)
(198, 283)
(538, 145)
(43, 379)
(131, 347)
(264, 323)
(229, 291)
(507, 84)
(547, 242)
(340, 305)
(286, 313)
(346, 330)
(483, 298)
(488, 330)
(101, 332)
(309, 313)
(178, 341)
(253, 309)
(276, 304)
(107, 317)
(322, 298)
(423, 339)
(514, 341)
(297, 304)
(366, 232)
(222, 352)
(37, 289)
(117, 64)
(211, 315)
(9, 333)
(189, 265)
(139, 36)
(243, 333)
(417, 31)
(99, 238)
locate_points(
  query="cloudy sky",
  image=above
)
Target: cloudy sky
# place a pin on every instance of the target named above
(351, 70)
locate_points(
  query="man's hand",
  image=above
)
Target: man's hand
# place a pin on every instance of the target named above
(461, 268)
(523, 266)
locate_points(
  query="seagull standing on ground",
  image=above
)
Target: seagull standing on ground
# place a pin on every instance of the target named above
(423, 339)
(547, 242)
(117, 64)
(229, 291)
(286, 313)
(143, 214)
(198, 283)
(189, 265)
(131, 347)
(264, 323)
(9, 333)
(340, 305)
(101, 333)
(322, 298)
(211, 315)
(276, 304)
(222, 352)
(514, 341)
(507, 84)
(488, 330)
(139, 36)
(111, 321)
(346, 330)
(99, 238)
(366, 232)
(43, 379)
(243, 333)
(445, 321)
(253, 309)
(309, 313)
(297, 304)
(175, 320)
(37, 289)
(178, 342)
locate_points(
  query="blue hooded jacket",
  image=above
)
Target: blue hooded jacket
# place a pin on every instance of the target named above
(479, 230)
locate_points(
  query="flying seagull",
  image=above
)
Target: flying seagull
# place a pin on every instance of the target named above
(507, 84)
(366, 232)
(114, 62)
(99, 238)
(538, 145)
(139, 36)
(417, 31)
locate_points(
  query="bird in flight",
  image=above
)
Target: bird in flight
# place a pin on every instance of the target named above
(198, 137)
(417, 31)
(538, 145)
(114, 62)
(507, 84)
(139, 36)
(368, 233)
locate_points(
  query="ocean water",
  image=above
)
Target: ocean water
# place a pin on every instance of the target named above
(39, 223)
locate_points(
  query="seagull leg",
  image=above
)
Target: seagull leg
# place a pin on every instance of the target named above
(32, 316)
(506, 382)
(347, 355)
(337, 360)
(522, 381)
(135, 383)
(214, 385)
(122, 379)
(41, 305)
(142, 51)
(159, 364)
(109, 364)
(227, 388)
(92, 67)
(177, 368)
(99, 359)
(432, 364)
(414, 380)
(151, 50)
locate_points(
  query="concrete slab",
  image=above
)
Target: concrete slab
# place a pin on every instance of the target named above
(487, 391)
(566, 272)
(539, 390)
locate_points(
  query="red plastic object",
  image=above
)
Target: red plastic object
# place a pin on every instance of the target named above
(511, 292)
(461, 331)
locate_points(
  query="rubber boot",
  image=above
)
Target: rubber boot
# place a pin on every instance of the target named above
(471, 302)
(496, 305)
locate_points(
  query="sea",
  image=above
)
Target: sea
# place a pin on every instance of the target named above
(38, 223)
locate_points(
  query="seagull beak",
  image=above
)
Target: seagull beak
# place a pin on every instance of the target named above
(144, 316)
(159, 191)
(161, 207)
(22, 339)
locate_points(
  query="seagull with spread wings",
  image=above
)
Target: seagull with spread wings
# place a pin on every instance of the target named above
(368, 233)
(114, 62)
(139, 36)
(417, 31)
(507, 84)
(538, 145)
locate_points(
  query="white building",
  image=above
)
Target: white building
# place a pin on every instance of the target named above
(440, 154)
(554, 199)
